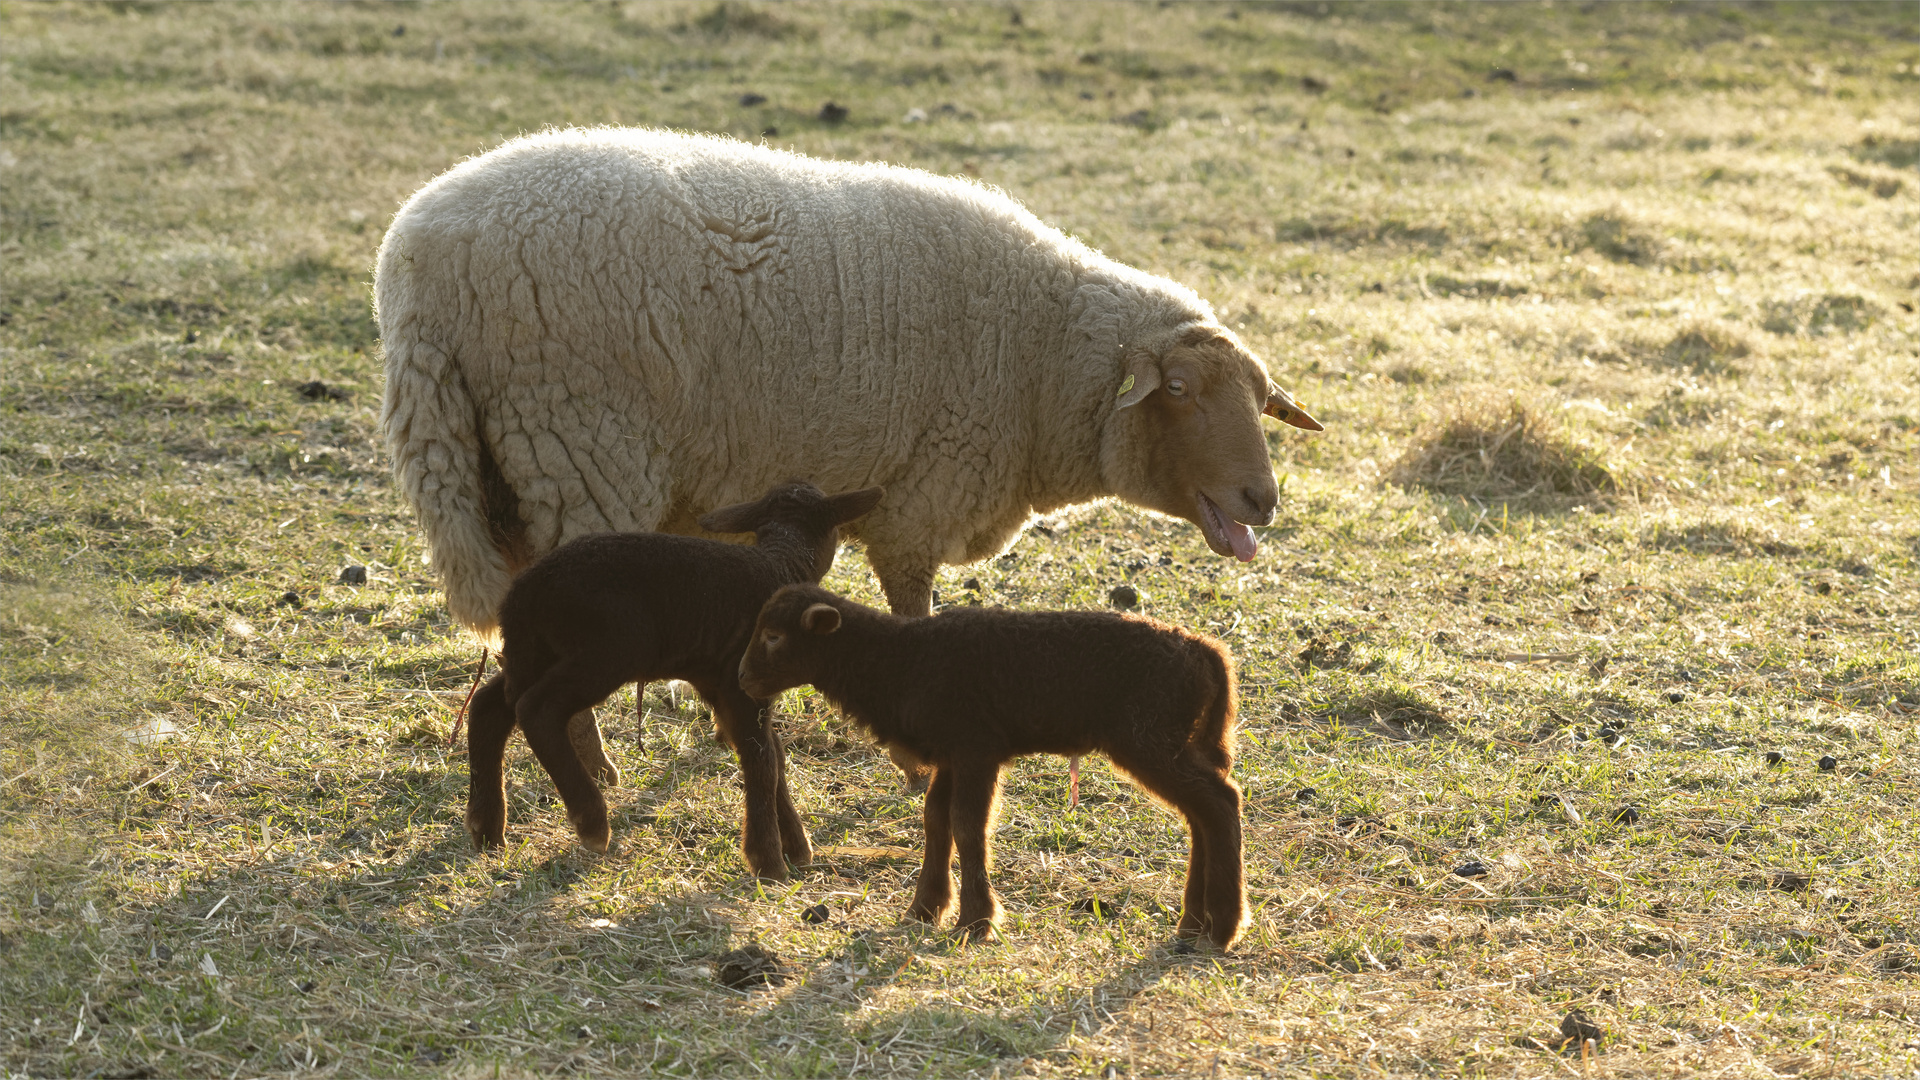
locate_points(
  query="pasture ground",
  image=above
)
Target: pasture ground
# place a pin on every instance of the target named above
(1609, 310)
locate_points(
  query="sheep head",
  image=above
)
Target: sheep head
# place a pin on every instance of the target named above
(1187, 439)
(785, 649)
(800, 506)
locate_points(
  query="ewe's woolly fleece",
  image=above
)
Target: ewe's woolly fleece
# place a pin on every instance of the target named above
(644, 325)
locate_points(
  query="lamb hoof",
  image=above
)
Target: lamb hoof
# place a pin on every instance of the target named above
(596, 840)
(981, 930)
(778, 873)
(927, 912)
(485, 836)
(1223, 933)
(800, 854)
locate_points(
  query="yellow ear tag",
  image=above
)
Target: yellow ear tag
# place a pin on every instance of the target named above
(1125, 386)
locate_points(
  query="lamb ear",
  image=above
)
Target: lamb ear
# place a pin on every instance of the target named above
(1143, 378)
(849, 505)
(820, 619)
(738, 518)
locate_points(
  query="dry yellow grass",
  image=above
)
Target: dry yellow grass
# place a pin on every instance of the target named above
(1609, 310)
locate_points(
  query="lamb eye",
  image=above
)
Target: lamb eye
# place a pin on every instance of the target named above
(771, 639)
(1176, 387)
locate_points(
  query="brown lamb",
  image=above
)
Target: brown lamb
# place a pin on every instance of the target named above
(970, 689)
(607, 610)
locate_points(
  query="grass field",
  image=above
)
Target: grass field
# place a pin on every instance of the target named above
(1608, 309)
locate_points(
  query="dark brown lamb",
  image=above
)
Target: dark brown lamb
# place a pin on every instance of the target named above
(970, 689)
(607, 610)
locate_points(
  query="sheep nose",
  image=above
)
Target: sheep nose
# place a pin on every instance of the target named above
(1261, 501)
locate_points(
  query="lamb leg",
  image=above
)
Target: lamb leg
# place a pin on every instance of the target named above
(584, 732)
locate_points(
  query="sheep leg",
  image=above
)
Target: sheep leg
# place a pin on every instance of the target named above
(934, 893)
(748, 728)
(1226, 892)
(543, 711)
(584, 732)
(976, 788)
(1193, 904)
(909, 590)
(489, 726)
(794, 840)
(1215, 903)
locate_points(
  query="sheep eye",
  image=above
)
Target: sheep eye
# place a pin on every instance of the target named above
(1176, 387)
(772, 639)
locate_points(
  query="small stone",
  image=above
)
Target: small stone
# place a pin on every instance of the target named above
(833, 112)
(290, 599)
(1474, 869)
(1775, 757)
(1123, 597)
(1626, 815)
(354, 575)
(1828, 763)
(770, 133)
(1608, 735)
(1578, 1029)
(972, 584)
(750, 100)
(162, 952)
(1789, 881)
(1675, 697)
(1103, 910)
(816, 915)
(1306, 794)
(307, 986)
(319, 391)
(744, 969)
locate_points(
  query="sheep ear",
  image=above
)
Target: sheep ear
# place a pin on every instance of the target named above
(849, 505)
(1143, 378)
(738, 518)
(820, 619)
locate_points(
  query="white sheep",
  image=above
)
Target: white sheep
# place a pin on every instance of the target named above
(620, 329)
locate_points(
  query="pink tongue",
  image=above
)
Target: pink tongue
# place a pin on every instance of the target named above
(1245, 544)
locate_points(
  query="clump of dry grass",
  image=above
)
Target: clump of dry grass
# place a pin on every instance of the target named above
(1498, 446)
(1397, 712)
(1705, 347)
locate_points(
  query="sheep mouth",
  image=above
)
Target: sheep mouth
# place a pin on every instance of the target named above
(754, 687)
(1225, 535)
